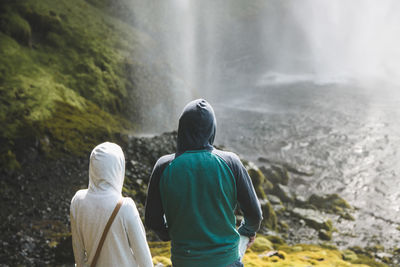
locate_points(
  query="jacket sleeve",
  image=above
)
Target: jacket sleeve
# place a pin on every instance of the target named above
(136, 235)
(154, 212)
(77, 244)
(248, 203)
(246, 195)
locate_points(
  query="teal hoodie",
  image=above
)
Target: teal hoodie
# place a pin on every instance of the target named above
(193, 194)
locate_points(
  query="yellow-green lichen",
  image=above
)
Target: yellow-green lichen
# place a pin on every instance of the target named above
(300, 255)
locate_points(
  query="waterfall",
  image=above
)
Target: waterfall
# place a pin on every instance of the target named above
(217, 44)
(350, 40)
(215, 48)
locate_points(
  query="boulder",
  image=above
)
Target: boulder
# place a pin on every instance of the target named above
(276, 174)
(274, 200)
(262, 244)
(283, 193)
(332, 203)
(349, 255)
(313, 219)
(325, 235)
(270, 219)
(257, 178)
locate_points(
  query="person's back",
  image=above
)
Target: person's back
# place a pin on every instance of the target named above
(198, 189)
(91, 208)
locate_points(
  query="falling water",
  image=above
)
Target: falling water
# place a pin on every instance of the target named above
(314, 83)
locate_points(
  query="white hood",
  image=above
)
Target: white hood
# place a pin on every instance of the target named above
(106, 168)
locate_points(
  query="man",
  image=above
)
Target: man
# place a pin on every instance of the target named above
(193, 193)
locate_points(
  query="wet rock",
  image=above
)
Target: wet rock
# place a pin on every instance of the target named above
(349, 255)
(384, 257)
(276, 174)
(361, 251)
(280, 254)
(325, 235)
(257, 178)
(313, 219)
(290, 167)
(270, 219)
(274, 200)
(332, 203)
(276, 240)
(347, 216)
(283, 193)
(300, 201)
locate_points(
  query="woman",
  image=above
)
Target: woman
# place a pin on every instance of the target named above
(125, 243)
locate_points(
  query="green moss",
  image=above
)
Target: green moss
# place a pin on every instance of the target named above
(261, 244)
(332, 203)
(68, 58)
(77, 131)
(301, 255)
(270, 219)
(9, 161)
(325, 234)
(349, 255)
(362, 259)
(276, 240)
(17, 27)
(276, 174)
(55, 40)
(257, 178)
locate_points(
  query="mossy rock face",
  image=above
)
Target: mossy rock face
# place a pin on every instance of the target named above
(276, 174)
(17, 27)
(274, 200)
(270, 219)
(332, 203)
(349, 255)
(75, 131)
(276, 240)
(257, 178)
(282, 173)
(325, 235)
(313, 219)
(87, 66)
(283, 193)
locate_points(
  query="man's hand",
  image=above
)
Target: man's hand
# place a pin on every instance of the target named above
(251, 241)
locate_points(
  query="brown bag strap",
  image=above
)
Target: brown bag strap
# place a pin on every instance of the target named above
(103, 237)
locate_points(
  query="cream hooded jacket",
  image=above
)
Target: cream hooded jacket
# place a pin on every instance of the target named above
(125, 244)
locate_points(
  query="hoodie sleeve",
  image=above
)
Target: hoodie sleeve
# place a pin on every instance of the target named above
(154, 212)
(246, 195)
(77, 244)
(136, 234)
(248, 203)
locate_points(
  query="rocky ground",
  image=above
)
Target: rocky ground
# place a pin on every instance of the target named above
(34, 227)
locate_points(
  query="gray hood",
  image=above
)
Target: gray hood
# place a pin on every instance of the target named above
(106, 168)
(197, 126)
